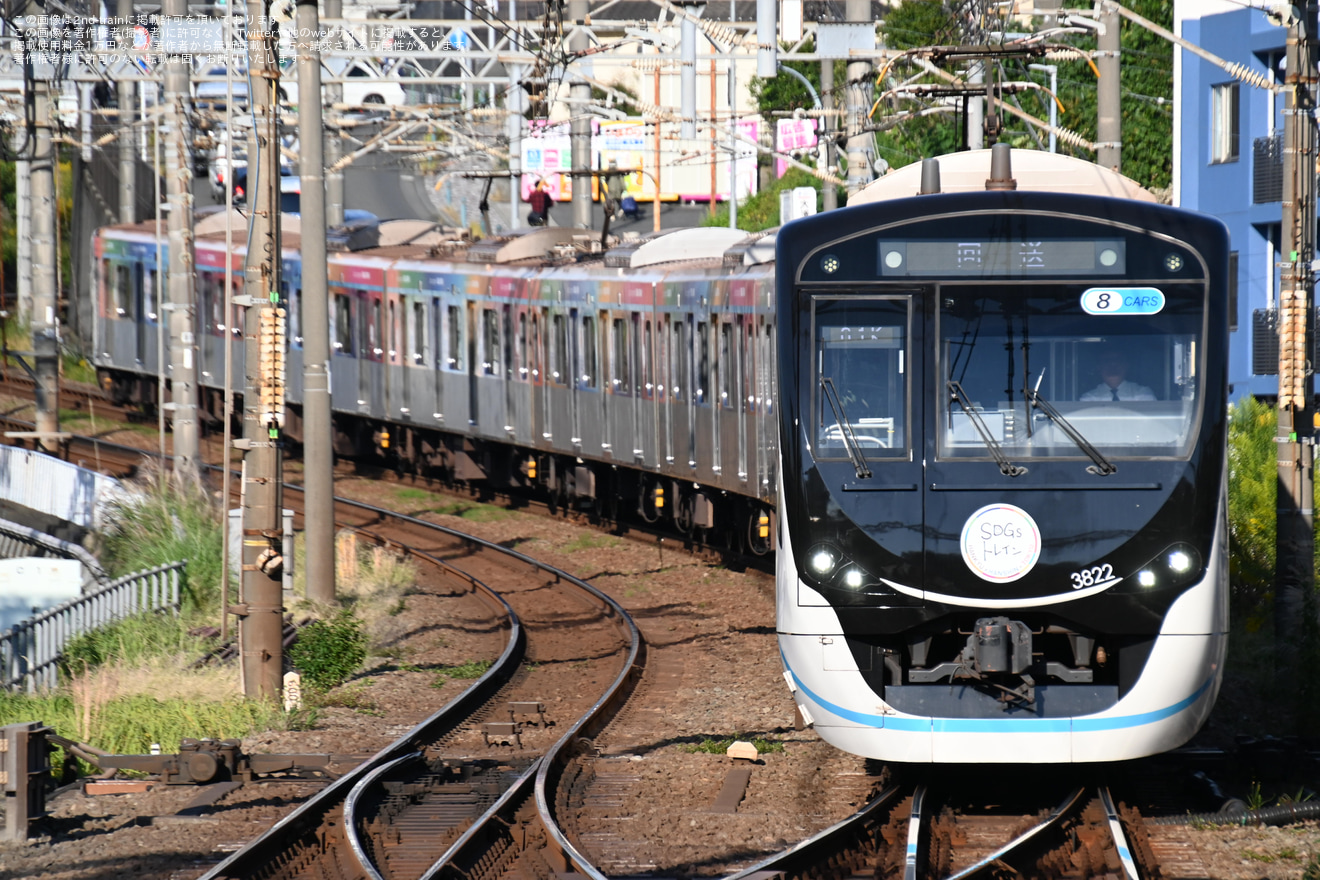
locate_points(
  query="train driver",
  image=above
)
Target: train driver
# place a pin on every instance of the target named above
(1114, 384)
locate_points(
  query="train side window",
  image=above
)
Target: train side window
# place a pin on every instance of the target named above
(620, 375)
(417, 347)
(343, 324)
(490, 340)
(559, 349)
(150, 295)
(524, 353)
(123, 291)
(589, 367)
(703, 361)
(454, 339)
(680, 364)
(295, 318)
(725, 365)
(642, 355)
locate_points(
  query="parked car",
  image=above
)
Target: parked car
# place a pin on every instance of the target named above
(214, 94)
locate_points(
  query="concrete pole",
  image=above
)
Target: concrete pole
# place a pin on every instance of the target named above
(513, 128)
(767, 38)
(334, 146)
(579, 96)
(45, 292)
(829, 192)
(23, 227)
(261, 611)
(181, 274)
(318, 435)
(861, 145)
(976, 108)
(1295, 547)
(688, 74)
(127, 132)
(1109, 119)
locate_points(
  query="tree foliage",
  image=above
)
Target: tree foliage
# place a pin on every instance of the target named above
(1252, 485)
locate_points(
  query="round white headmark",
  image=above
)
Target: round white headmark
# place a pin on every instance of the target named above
(1000, 543)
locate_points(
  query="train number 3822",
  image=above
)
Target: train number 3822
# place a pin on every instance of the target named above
(1089, 577)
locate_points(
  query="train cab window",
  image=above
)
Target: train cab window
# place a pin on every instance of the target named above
(620, 363)
(490, 342)
(862, 382)
(590, 366)
(343, 324)
(454, 339)
(1045, 377)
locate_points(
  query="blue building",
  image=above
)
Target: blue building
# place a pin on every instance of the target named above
(1228, 162)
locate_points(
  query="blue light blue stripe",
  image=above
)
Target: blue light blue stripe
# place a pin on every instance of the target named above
(916, 724)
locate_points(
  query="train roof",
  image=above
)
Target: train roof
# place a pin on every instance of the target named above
(1032, 169)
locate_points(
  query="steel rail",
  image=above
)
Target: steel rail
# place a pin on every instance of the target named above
(816, 849)
(1053, 819)
(266, 849)
(1120, 837)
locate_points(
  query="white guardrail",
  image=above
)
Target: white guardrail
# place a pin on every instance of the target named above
(30, 651)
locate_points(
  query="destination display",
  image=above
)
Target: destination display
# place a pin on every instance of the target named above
(1015, 259)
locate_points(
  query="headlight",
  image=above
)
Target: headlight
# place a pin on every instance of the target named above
(822, 561)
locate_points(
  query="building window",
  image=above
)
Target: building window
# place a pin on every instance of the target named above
(1224, 122)
(1232, 290)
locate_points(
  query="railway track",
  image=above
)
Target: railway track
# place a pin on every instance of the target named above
(495, 755)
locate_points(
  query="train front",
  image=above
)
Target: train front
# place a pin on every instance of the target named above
(1003, 517)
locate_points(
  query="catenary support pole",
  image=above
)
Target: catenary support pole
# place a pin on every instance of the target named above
(261, 612)
(127, 131)
(829, 192)
(334, 145)
(45, 293)
(861, 144)
(1109, 118)
(1295, 543)
(318, 451)
(182, 306)
(579, 97)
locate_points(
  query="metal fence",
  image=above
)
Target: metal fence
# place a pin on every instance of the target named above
(30, 651)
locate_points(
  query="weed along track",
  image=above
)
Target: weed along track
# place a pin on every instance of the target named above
(567, 662)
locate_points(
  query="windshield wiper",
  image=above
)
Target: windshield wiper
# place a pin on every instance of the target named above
(1006, 467)
(845, 428)
(1103, 467)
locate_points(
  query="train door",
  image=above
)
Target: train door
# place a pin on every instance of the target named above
(705, 400)
(453, 381)
(622, 427)
(745, 411)
(344, 365)
(643, 422)
(543, 408)
(491, 378)
(684, 408)
(418, 356)
(521, 391)
(767, 437)
(474, 368)
(140, 314)
(392, 362)
(573, 376)
(589, 411)
(371, 363)
(726, 402)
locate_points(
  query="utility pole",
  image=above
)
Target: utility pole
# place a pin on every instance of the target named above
(1295, 548)
(861, 144)
(825, 134)
(318, 452)
(45, 294)
(334, 94)
(579, 97)
(261, 610)
(127, 133)
(182, 306)
(1109, 120)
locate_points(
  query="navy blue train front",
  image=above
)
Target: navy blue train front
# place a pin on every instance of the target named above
(1002, 508)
